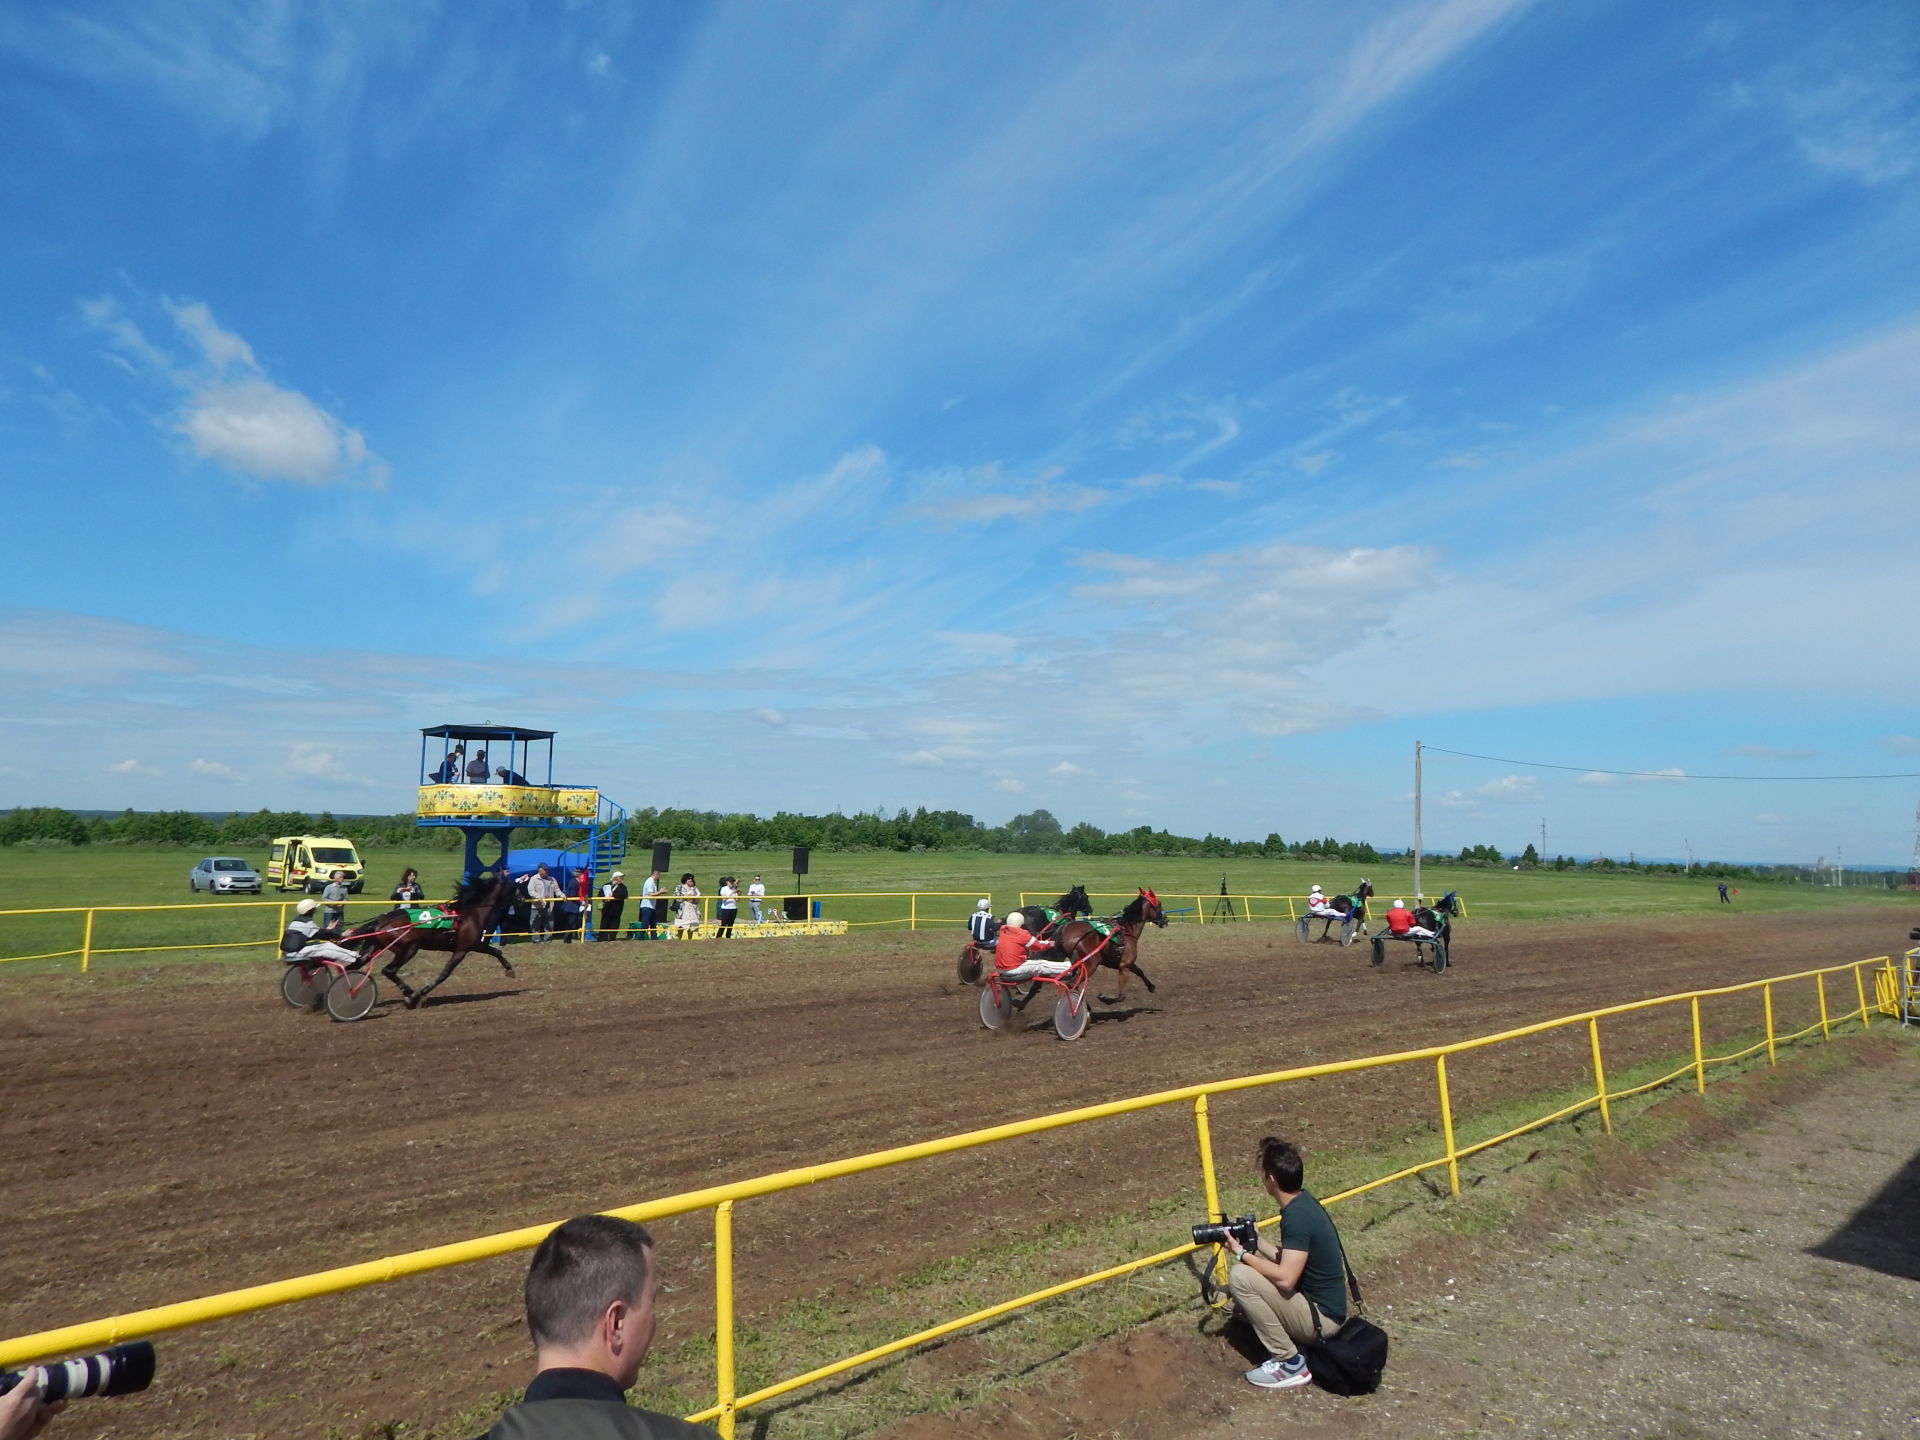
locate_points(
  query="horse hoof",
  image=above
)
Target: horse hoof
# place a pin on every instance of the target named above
(509, 970)
(1109, 999)
(411, 999)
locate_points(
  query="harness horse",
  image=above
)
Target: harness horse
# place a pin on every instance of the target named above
(1432, 949)
(1087, 946)
(1349, 912)
(397, 936)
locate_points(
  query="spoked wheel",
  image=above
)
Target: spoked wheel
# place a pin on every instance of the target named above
(1347, 931)
(1379, 952)
(1439, 956)
(1072, 1010)
(351, 996)
(304, 986)
(996, 1006)
(1300, 930)
(969, 967)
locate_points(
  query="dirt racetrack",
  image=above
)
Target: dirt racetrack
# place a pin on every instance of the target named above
(176, 1131)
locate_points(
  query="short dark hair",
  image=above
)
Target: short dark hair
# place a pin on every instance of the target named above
(1280, 1161)
(581, 1268)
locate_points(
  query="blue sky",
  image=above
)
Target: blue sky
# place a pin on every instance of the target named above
(1156, 413)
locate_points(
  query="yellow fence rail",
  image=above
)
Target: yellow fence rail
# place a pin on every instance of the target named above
(723, 1199)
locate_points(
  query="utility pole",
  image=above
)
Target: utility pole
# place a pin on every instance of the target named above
(1689, 857)
(1543, 839)
(1418, 894)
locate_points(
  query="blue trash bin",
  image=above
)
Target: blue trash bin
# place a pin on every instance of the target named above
(816, 909)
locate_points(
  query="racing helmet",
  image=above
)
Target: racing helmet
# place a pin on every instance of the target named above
(1315, 890)
(307, 906)
(1014, 917)
(1399, 904)
(984, 905)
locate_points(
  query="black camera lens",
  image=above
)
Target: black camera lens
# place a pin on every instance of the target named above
(120, 1370)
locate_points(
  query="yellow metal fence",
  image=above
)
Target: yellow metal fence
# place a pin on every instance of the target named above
(1850, 981)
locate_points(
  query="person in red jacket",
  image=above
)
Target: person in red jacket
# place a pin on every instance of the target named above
(1400, 922)
(1015, 952)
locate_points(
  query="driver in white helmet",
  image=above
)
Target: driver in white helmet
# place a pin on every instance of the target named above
(1317, 904)
(981, 925)
(1017, 952)
(304, 940)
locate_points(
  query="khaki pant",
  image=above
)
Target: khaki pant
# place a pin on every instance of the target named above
(1283, 1322)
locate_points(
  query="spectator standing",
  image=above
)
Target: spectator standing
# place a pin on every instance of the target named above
(729, 906)
(542, 891)
(1292, 1292)
(451, 766)
(686, 907)
(1723, 894)
(756, 893)
(408, 891)
(590, 1308)
(335, 895)
(650, 906)
(477, 769)
(613, 905)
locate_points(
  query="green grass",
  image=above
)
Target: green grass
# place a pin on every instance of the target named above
(41, 876)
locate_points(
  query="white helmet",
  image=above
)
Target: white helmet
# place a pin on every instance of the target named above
(1399, 904)
(1014, 917)
(984, 905)
(307, 906)
(1316, 890)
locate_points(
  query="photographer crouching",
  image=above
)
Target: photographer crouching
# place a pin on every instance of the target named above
(1292, 1293)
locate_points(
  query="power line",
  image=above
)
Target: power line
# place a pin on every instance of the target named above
(1664, 774)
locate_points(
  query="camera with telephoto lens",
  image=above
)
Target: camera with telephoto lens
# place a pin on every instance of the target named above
(120, 1370)
(1245, 1229)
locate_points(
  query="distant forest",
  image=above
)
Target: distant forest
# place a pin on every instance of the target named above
(1035, 833)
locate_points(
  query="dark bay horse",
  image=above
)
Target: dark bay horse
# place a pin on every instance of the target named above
(394, 936)
(1119, 949)
(1352, 906)
(1074, 903)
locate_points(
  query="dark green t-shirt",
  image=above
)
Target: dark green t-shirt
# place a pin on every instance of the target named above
(1304, 1226)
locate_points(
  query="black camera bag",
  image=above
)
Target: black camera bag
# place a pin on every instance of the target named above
(1351, 1360)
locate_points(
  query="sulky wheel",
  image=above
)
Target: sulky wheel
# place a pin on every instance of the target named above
(1071, 1012)
(351, 996)
(1439, 956)
(304, 986)
(1300, 930)
(996, 1006)
(1379, 952)
(968, 966)
(1347, 931)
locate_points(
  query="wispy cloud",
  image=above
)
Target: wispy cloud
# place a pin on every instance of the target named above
(1770, 752)
(232, 413)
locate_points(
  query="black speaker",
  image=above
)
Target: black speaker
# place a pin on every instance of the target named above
(662, 855)
(794, 907)
(799, 859)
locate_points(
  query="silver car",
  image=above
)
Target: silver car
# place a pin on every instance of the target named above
(222, 875)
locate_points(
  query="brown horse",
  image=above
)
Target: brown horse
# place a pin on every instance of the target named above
(1078, 940)
(393, 935)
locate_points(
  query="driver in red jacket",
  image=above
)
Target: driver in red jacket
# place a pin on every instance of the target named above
(1400, 922)
(1017, 952)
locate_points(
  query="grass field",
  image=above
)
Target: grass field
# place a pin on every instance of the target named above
(33, 877)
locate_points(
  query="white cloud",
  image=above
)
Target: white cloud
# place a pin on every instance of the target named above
(1900, 744)
(1769, 818)
(600, 63)
(131, 767)
(213, 769)
(1313, 464)
(1008, 786)
(1067, 768)
(232, 414)
(768, 716)
(1512, 787)
(317, 764)
(922, 760)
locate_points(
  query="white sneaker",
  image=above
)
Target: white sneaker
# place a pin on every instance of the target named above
(1280, 1374)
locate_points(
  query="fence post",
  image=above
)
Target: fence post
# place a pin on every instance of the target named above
(1766, 996)
(913, 911)
(1699, 1055)
(1446, 1124)
(1820, 987)
(283, 925)
(723, 1314)
(86, 943)
(1861, 986)
(1209, 1182)
(1599, 1075)
(1200, 909)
